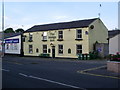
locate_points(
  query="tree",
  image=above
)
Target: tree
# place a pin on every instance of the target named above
(9, 30)
(19, 30)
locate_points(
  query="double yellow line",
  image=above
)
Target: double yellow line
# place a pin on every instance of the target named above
(86, 72)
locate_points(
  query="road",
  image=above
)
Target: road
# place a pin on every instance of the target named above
(31, 72)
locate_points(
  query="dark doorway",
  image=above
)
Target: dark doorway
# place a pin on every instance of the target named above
(53, 51)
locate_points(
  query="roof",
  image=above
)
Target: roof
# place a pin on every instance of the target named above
(113, 33)
(62, 25)
(8, 35)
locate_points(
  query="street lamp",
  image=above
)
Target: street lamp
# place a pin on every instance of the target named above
(3, 47)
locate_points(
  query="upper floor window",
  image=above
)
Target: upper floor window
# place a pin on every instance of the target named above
(44, 36)
(30, 37)
(44, 48)
(60, 49)
(78, 49)
(60, 35)
(79, 34)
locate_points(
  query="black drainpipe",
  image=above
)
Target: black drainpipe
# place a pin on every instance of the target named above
(21, 51)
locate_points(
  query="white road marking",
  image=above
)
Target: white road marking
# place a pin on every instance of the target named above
(5, 70)
(54, 82)
(23, 74)
(30, 76)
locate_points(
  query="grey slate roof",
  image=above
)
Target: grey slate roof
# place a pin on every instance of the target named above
(62, 25)
(113, 33)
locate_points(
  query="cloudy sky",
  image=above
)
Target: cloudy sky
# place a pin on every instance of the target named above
(27, 14)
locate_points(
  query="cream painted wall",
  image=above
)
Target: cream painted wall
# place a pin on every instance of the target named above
(69, 36)
(99, 33)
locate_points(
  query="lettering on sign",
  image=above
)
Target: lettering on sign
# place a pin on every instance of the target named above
(12, 41)
(52, 36)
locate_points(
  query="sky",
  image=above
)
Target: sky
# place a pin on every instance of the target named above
(27, 14)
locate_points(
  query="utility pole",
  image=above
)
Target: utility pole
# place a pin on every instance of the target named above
(119, 15)
(3, 47)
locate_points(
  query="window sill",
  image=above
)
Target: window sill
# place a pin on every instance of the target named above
(59, 39)
(30, 40)
(79, 39)
(60, 54)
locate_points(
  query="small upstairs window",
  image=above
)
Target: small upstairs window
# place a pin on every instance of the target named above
(44, 36)
(79, 34)
(30, 37)
(60, 35)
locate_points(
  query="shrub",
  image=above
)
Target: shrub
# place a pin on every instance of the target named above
(44, 55)
(115, 57)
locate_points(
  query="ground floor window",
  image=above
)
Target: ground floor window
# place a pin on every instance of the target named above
(30, 49)
(78, 49)
(11, 46)
(7, 46)
(44, 48)
(69, 51)
(60, 49)
(37, 50)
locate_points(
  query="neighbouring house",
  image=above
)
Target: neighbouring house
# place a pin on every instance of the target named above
(114, 41)
(65, 39)
(112, 33)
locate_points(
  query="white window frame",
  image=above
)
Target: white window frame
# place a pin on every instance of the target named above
(60, 49)
(44, 49)
(60, 35)
(30, 36)
(30, 49)
(44, 35)
(78, 49)
(78, 34)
